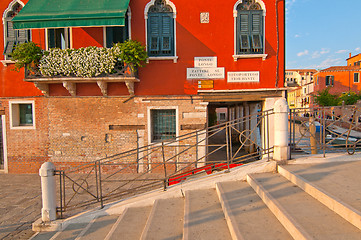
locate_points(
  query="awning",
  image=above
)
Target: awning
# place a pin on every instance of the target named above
(71, 13)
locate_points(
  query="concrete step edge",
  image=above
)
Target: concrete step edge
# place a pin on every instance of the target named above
(81, 234)
(115, 225)
(149, 220)
(290, 224)
(346, 211)
(231, 221)
(186, 216)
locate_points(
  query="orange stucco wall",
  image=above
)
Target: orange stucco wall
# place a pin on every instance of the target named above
(193, 39)
(343, 82)
(353, 59)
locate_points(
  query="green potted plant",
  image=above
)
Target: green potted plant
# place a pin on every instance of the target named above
(132, 53)
(27, 55)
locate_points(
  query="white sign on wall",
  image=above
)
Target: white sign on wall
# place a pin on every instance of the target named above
(205, 73)
(205, 62)
(243, 76)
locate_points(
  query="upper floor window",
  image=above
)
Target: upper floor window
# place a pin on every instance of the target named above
(356, 77)
(58, 38)
(12, 36)
(117, 34)
(249, 29)
(160, 30)
(329, 80)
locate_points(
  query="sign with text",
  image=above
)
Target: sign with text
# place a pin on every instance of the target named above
(243, 76)
(205, 73)
(205, 84)
(205, 62)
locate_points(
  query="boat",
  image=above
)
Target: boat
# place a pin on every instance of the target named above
(340, 141)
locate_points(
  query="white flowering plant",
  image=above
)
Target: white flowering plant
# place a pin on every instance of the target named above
(89, 61)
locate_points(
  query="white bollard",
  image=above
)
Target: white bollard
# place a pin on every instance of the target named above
(46, 172)
(281, 149)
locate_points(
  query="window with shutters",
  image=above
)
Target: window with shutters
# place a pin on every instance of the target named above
(329, 80)
(160, 30)
(249, 31)
(12, 36)
(356, 77)
(58, 38)
(117, 34)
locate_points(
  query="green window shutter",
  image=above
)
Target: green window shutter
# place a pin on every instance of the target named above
(153, 34)
(249, 32)
(167, 33)
(10, 38)
(160, 34)
(244, 24)
(256, 32)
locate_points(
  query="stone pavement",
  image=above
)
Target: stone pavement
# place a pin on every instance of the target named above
(20, 204)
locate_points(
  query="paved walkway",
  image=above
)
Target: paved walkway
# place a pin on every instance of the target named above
(20, 204)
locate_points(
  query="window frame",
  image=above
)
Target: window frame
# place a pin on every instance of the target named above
(358, 77)
(236, 55)
(174, 56)
(14, 114)
(150, 123)
(27, 33)
(128, 22)
(68, 41)
(332, 80)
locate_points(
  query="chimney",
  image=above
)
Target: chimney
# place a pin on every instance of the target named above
(350, 55)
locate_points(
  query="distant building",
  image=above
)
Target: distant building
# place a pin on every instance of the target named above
(299, 84)
(340, 79)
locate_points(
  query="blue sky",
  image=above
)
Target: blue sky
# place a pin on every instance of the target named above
(322, 33)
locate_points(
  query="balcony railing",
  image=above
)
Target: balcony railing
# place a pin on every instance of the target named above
(121, 73)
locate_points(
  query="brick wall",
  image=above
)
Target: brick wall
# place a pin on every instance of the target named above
(72, 130)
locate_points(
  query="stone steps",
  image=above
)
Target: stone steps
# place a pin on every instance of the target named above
(291, 204)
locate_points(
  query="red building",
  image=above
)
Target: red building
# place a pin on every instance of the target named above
(203, 55)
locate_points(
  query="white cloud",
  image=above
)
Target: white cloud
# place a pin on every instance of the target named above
(297, 36)
(357, 49)
(342, 51)
(300, 54)
(317, 54)
(329, 62)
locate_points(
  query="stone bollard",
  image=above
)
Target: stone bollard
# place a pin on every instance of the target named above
(281, 148)
(46, 172)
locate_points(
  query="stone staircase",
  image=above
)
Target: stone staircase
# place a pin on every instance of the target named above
(309, 201)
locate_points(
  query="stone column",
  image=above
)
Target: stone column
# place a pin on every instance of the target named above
(281, 149)
(46, 172)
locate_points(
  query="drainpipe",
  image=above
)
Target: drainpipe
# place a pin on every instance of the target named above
(46, 172)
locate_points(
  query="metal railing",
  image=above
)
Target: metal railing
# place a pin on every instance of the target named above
(120, 70)
(324, 130)
(163, 164)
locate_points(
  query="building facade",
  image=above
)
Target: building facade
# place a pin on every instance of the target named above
(202, 56)
(340, 79)
(300, 86)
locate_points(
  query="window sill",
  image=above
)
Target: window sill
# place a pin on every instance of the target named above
(22, 127)
(175, 58)
(263, 56)
(6, 62)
